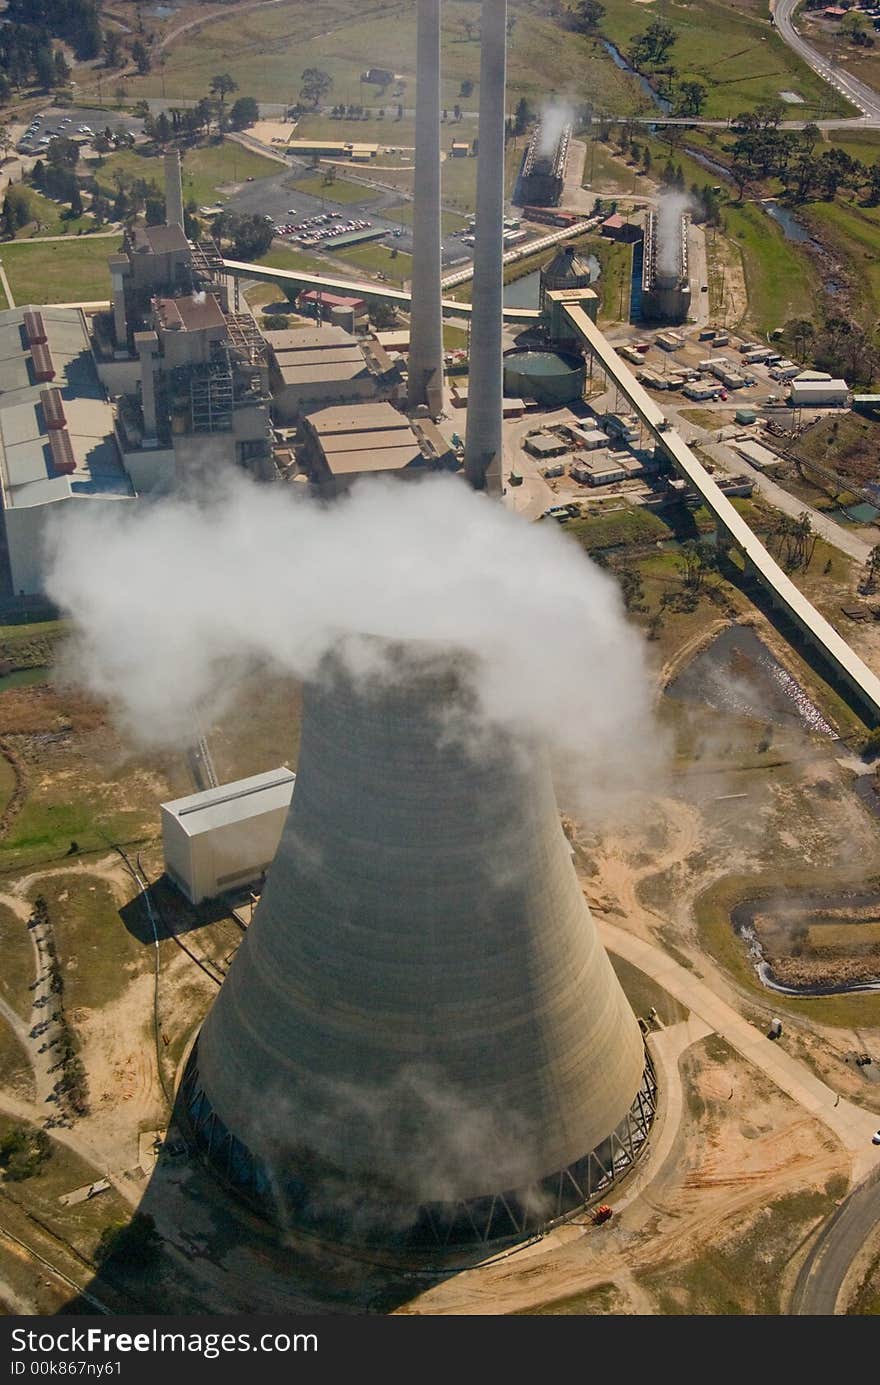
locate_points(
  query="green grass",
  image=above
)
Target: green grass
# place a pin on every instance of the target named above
(98, 955)
(450, 221)
(740, 1275)
(643, 992)
(266, 50)
(58, 272)
(712, 911)
(206, 168)
(780, 279)
(282, 257)
(52, 222)
(852, 232)
(454, 338)
(730, 47)
(394, 133)
(607, 528)
(17, 971)
(340, 190)
(373, 259)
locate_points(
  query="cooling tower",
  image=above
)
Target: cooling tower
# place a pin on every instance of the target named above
(421, 1041)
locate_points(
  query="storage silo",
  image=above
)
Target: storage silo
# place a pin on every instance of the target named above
(421, 1041)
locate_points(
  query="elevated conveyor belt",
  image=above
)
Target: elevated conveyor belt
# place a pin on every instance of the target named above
(852, 671)
(371, 290)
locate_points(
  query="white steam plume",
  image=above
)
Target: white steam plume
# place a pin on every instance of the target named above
(168, 599)
(670, 209)
(554, 118)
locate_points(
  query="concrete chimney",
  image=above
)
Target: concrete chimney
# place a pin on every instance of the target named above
(147, 345)
(119, 268)
(483, 461)
(173, 190)
(426, 330)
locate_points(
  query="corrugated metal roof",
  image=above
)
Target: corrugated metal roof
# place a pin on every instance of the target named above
(234, 802)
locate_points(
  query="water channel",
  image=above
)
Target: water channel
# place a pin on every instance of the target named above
(526, 291)
(737, 675)
(795, 910)
(620, 61)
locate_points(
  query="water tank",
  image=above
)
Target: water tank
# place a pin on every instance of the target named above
(553, 378)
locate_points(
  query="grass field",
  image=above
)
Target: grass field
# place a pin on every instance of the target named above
(205, 169)
(450, 222)
(17, 971)
(340, 190)
(99, 955)
(266, 49)
(390, 132)
(779, 278)
(60, 273)
(282, 257)
(51, 222)
(376, 259)
(731, 48)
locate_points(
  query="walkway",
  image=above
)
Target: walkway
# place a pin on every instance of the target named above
(852, 1126)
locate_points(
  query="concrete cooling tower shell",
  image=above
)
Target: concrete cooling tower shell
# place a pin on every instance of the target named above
(421, 1037)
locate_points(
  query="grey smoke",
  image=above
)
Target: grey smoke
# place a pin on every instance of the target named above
(554, 118)
(670, 210)
(172, 601)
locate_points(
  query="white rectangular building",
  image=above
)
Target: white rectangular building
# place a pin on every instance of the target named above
(819, 393)
(224, 838)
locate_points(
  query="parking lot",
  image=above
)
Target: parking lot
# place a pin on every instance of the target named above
(74, 124)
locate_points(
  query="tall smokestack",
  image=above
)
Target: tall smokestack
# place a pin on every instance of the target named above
(483, 445)
(426, 330)
(173, 190)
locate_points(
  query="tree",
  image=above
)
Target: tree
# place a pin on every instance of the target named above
(44, 64)
(112, 48)
(690, 98)
(62, 68)
(141, 55)
(76, 202)
(588, 14)
(222, 85)
(522, 116)
(653, 46)
(315, 85)
(245, 111)
(137, 1244)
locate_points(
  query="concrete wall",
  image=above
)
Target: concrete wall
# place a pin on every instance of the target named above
(153, 471)
(222, 859)
(25, 537)
(119, 377)
(288, 401)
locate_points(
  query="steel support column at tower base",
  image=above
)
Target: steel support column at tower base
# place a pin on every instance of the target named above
(483, 444)
(425, 363)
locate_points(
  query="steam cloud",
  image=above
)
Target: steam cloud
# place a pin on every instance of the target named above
(670, 210)
(172, 601)
(554, 118)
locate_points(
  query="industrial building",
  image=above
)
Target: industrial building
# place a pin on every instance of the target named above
(223, 838)
(328, 365)
(421, 956)
(666, 293)
(342, 310)
(817, 394)
(568, 269)
(190, 377)
(343, 443)
(542, 174)
(57, 436)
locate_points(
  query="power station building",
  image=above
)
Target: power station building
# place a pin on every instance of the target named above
(421, 1042)
(666, 293)
(223, 838)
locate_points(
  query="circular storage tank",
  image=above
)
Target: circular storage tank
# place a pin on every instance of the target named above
(551, 377)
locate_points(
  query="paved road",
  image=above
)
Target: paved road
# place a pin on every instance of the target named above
(859, 93)
(821, 1277)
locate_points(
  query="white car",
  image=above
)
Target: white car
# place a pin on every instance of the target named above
(875, 1138)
